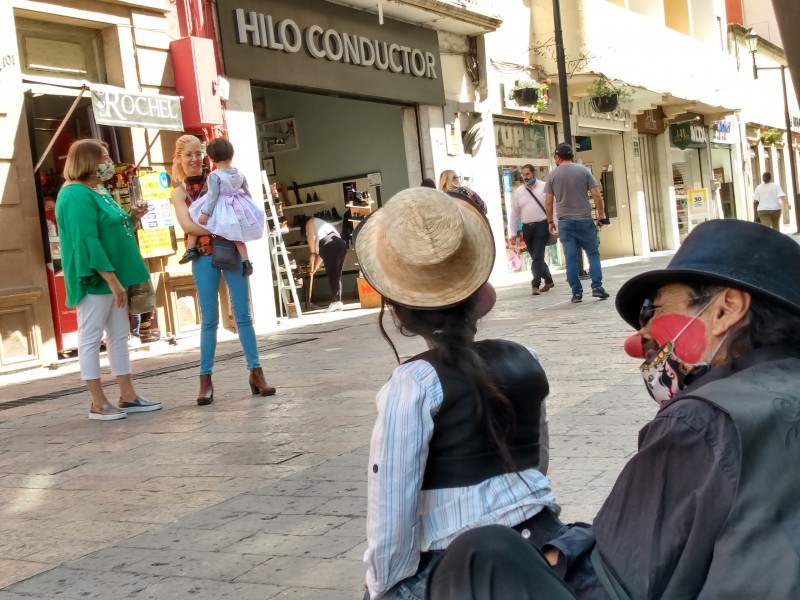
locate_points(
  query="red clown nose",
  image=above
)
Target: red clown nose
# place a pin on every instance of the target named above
(633, 346)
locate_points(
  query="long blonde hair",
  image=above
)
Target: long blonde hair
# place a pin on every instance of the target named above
(448, 180)
(178, 174)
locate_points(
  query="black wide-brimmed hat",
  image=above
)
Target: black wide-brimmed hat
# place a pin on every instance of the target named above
(737, 254)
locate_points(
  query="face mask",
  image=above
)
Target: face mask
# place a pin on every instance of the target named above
(665, 374)
(105, 171)
(530, 181)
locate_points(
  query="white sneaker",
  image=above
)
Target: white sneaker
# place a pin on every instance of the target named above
(335, 306)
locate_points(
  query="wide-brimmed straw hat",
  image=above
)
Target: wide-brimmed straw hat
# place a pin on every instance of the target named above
(424, 249)
(731, 253)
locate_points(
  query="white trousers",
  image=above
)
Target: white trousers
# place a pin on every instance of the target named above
(97, 313)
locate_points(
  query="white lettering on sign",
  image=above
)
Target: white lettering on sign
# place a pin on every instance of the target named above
(258, 29)
(117, 106)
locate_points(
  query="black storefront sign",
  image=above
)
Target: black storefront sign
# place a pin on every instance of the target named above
(688, 135)
(327, 47)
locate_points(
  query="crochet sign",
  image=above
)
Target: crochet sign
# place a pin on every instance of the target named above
(125, 108)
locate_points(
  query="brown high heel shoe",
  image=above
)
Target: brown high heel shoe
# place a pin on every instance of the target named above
(259, 385)
(206, 394)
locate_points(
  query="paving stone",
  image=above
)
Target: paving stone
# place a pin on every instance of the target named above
(205, 589)
(80, 584)
(320, 573)
(182, 538)
(274, 544)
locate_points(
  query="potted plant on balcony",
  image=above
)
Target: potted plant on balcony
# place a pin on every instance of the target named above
(606, 95)
(526, 92)
(771, 136)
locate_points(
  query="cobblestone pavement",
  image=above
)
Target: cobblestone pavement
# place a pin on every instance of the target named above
(265, 497)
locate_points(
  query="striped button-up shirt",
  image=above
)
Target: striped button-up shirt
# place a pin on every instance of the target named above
(404, 520)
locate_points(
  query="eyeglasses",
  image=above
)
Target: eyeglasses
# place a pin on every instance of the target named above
(190, 155)
(648, 309)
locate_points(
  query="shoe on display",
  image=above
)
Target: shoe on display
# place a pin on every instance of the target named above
(576, 298)
(547, 287)
(334, 307)
(335, 214)
(139, 404)
(308, 198)
(599, 292)
(316, 198)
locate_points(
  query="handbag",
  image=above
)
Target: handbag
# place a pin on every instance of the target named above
(225, 256)
(553, 238)
(141, 297)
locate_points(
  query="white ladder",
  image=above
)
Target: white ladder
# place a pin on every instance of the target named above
(287, 290)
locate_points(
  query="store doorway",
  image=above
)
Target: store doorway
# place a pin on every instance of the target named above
(316, 147)
(653, 198)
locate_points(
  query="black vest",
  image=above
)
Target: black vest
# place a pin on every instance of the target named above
(757, 554)
(460, 453)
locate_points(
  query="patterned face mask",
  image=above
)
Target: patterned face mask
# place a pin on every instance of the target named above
(105, 171)
(665, 374)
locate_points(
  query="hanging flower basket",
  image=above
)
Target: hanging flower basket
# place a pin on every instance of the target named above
(605, 104)
(526, 96)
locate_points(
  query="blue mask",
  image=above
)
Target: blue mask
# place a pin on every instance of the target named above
(530, 181)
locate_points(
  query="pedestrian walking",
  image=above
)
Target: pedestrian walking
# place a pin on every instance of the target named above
(566, 192)
(101, 260)
(527, 205)
(190, 182)
(769, 200)
(457, 439)
(708, 506)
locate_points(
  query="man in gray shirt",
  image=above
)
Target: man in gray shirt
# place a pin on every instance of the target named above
(567, 185)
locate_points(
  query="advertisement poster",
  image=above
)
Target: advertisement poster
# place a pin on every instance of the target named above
(157, 234)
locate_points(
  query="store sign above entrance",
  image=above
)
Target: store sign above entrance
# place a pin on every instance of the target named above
(123, 108)
(325, 46)
(688, 135)
(515, 140)
(587, 116)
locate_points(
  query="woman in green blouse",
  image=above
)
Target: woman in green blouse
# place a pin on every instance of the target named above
(101, 260)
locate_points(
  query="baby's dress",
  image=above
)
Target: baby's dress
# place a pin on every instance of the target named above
(236, 217)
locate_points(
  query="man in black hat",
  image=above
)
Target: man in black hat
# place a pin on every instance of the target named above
(709, 507)
(567, 186)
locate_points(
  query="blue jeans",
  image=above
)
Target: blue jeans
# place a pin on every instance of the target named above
(413, 588)
(575, 235)
(207, 280)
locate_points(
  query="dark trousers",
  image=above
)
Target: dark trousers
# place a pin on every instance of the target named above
(332, 250)
(536, 236)
(495, 563)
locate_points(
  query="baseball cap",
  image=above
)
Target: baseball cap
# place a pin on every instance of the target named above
(564, 149)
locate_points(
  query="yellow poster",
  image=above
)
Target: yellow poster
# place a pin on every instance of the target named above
(698, 202)
(156, 189)
(156, 242)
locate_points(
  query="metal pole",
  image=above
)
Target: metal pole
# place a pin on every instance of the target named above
(790, 140)
(561, 65)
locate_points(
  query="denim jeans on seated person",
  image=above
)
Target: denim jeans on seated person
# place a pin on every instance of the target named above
(574, 235)
(414, 587)
(207, 280)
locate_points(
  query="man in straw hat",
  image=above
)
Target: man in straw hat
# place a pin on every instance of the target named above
(709, 507)
(458, 440)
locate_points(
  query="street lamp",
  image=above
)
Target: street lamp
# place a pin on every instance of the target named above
(751, 41)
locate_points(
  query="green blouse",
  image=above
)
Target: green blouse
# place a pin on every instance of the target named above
(96, 234)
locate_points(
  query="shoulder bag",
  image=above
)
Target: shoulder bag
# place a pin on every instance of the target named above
(141, 297)
(553, 238)
(224, 255)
